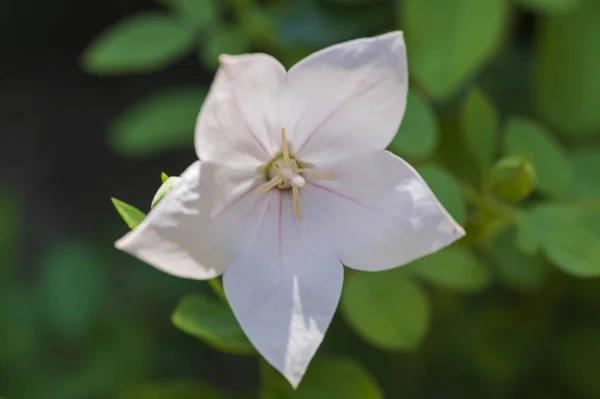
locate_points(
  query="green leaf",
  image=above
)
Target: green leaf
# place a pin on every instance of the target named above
(450, 41)
(447, 190)
(568, 244)
(452, 267)
(418, 133)
(199, 12)
(586, 164)
(163, 121)
(334, 378)
(479, 127)
(73, 285)
(387, 309)
(212, 321)
(517, 269)
(172, 390)
(130, 214)
(550, 6)
(142, 43)
(226, 40)
(566, 83)
(527, 138)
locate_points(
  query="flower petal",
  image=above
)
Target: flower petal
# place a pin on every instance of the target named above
(347, 99)
(383, 213)
(196, 228)
(285, 285)
(240, 113)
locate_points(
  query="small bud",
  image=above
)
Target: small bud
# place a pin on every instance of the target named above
(513, 178)
(167, 185)
(163, 177)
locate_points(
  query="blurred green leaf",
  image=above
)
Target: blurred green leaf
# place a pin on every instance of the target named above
(568, 244)
(513, 178)
(226, 40)
(447, 190)
(577, 360)
(566, 83)
(141, 43)
(165, 187)
(585, 183)
(517, 269)
(73, 285)
(172, 390)
(449, 41)
(199, 12)
(454, 267)
(212, 321)
(325, 379)
(550, 6)
(479, 127)
(163, 121)
(130, 214)
(526, 138)
(314, 23)
(387, 309)
(418, 133)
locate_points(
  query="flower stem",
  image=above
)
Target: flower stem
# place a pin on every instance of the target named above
(487, 203)
(217, 287)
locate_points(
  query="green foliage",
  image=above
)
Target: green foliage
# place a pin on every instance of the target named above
(124, 47)
(513, 178)
(569, 245)
(130, 214)
(585, 162)
(418, 133)
(515, 268)
(387, 309)
(212, 321)
(550, 6)
(333, 378)
(450, 41)
(479, 126)
(172, 390)
(225, 40)
(160, 122)
(454, 267)
(72, 273)
(200, 13)
(447, 190)
(527, 138)
(566, 84)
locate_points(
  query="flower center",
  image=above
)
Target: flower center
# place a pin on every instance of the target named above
(285, 173)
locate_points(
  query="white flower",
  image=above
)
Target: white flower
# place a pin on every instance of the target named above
(294, 181)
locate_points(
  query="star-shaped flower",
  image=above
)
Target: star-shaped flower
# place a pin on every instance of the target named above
(293, 182)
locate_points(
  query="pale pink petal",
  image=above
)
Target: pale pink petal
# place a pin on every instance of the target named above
(284, 286)
(383, 213)
(346, 100)
(197, 227)
(240, 114)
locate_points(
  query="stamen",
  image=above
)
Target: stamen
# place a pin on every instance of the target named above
(296, 197)
(317, 173)
(284, 147)
(270, 184)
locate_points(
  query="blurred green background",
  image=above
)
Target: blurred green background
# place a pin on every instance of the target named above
(503, 121)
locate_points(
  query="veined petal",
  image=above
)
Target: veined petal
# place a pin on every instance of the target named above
(346, 100)
(284, 286)
(240, 114)
(383, 213)
(197, 227)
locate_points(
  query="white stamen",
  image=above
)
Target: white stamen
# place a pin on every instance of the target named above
(293, 178)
